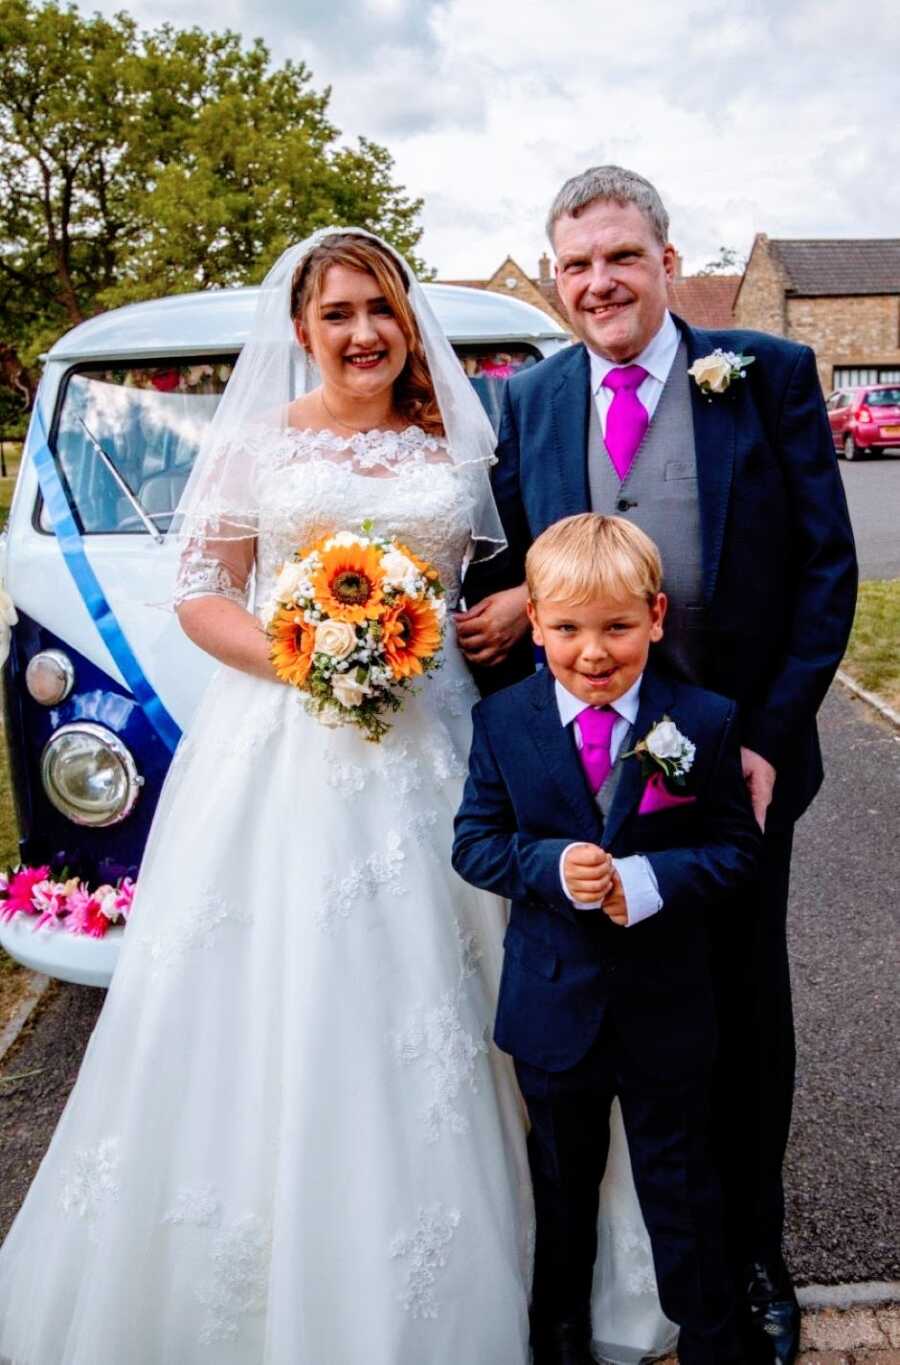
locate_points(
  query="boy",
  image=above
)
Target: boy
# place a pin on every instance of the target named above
(607, 803)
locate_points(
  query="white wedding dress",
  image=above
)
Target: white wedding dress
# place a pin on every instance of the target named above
(290, 1142)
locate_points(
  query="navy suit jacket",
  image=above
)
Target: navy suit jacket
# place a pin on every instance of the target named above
(526, 799)
(779, 568)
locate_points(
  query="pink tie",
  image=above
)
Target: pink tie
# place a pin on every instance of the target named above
(627, 418)
(595, 727)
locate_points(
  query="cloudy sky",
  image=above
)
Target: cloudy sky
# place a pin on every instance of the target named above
(775, 116)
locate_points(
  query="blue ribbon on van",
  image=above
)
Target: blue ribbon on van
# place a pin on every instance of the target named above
(92, 595)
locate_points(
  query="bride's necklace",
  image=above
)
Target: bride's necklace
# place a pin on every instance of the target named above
(359, 431)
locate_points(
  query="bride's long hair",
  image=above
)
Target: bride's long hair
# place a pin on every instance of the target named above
(414, 395)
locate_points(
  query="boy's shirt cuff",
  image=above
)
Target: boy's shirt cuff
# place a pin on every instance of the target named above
(639, 884)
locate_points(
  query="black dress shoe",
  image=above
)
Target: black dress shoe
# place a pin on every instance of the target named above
(565, 1343)
(773, 1313)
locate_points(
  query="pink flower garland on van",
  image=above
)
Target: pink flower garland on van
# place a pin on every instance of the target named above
(67, 904)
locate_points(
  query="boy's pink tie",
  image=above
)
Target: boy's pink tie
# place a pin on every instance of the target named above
(595, 727)
(627, 419)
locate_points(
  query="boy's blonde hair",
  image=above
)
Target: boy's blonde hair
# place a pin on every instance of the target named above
(590, 556)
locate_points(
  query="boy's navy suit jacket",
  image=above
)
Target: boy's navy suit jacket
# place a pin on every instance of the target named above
(567, 970)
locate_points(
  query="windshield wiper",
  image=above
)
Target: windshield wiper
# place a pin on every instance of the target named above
(124, 487)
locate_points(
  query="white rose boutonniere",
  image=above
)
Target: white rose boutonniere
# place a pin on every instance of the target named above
(713, 374)
(665, 749)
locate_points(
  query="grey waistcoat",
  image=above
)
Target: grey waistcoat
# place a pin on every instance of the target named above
(661, 495)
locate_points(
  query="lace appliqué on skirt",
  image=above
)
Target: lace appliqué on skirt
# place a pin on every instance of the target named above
(364, 879)
(238, 1280)
(426, 1250)
(90, 1180)
(198, 929)
(449, 1054)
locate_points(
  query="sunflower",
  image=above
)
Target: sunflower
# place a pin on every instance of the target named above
(348, 586)
(292, 646)
(411, 632)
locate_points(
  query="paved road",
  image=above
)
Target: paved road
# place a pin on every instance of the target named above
(843, 1171)
(843, 1168)
(873, 493)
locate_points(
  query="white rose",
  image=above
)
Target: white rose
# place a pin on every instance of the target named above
(344, 538)
(337, 639)
(290, 579)
(664, 740)
(8, 613)
(348, 691)
(399, 570)
(712, 372)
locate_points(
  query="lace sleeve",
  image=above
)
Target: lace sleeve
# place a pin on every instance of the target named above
(215, 569)
(215, 523)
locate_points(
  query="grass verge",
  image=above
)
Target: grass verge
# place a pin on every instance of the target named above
(13, 978)
(873, 654)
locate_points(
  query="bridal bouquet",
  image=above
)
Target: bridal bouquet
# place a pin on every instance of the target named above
(355, 619)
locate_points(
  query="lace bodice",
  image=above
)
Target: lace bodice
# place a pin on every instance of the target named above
(305, 484)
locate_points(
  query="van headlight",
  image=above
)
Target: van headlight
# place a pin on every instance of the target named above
(89, 774)
(50, 677)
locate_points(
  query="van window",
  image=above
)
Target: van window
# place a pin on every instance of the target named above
(489, 367)
(148, 420)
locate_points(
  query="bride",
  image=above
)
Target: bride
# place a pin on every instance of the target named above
(291, 1142)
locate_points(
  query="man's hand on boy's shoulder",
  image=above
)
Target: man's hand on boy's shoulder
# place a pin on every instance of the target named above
(587, 872)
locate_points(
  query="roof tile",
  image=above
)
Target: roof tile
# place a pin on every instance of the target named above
(823, 266)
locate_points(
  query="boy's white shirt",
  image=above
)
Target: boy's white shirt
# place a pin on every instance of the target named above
(639, 883)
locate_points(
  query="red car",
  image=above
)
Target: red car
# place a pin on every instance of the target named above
(865, 419)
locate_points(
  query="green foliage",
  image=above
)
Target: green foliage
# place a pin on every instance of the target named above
(728, 262)
(135, 163)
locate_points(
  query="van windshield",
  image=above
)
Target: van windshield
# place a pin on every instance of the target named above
(490, 367)
(148, 421)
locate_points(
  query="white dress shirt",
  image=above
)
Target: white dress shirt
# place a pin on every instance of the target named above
(657, 358)
(639, 883)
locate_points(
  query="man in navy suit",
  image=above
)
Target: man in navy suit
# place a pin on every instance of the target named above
(608, 804)
(736, 481)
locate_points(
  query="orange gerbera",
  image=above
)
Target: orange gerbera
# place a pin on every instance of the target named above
(412, 632)
(292, 646)
(349, 585)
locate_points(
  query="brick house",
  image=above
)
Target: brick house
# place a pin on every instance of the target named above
(510, 279)
(840, 296)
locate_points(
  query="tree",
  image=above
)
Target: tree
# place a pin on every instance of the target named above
(137, 163)
(728, 262)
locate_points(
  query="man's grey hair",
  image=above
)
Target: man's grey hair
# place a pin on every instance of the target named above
(616, 184)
